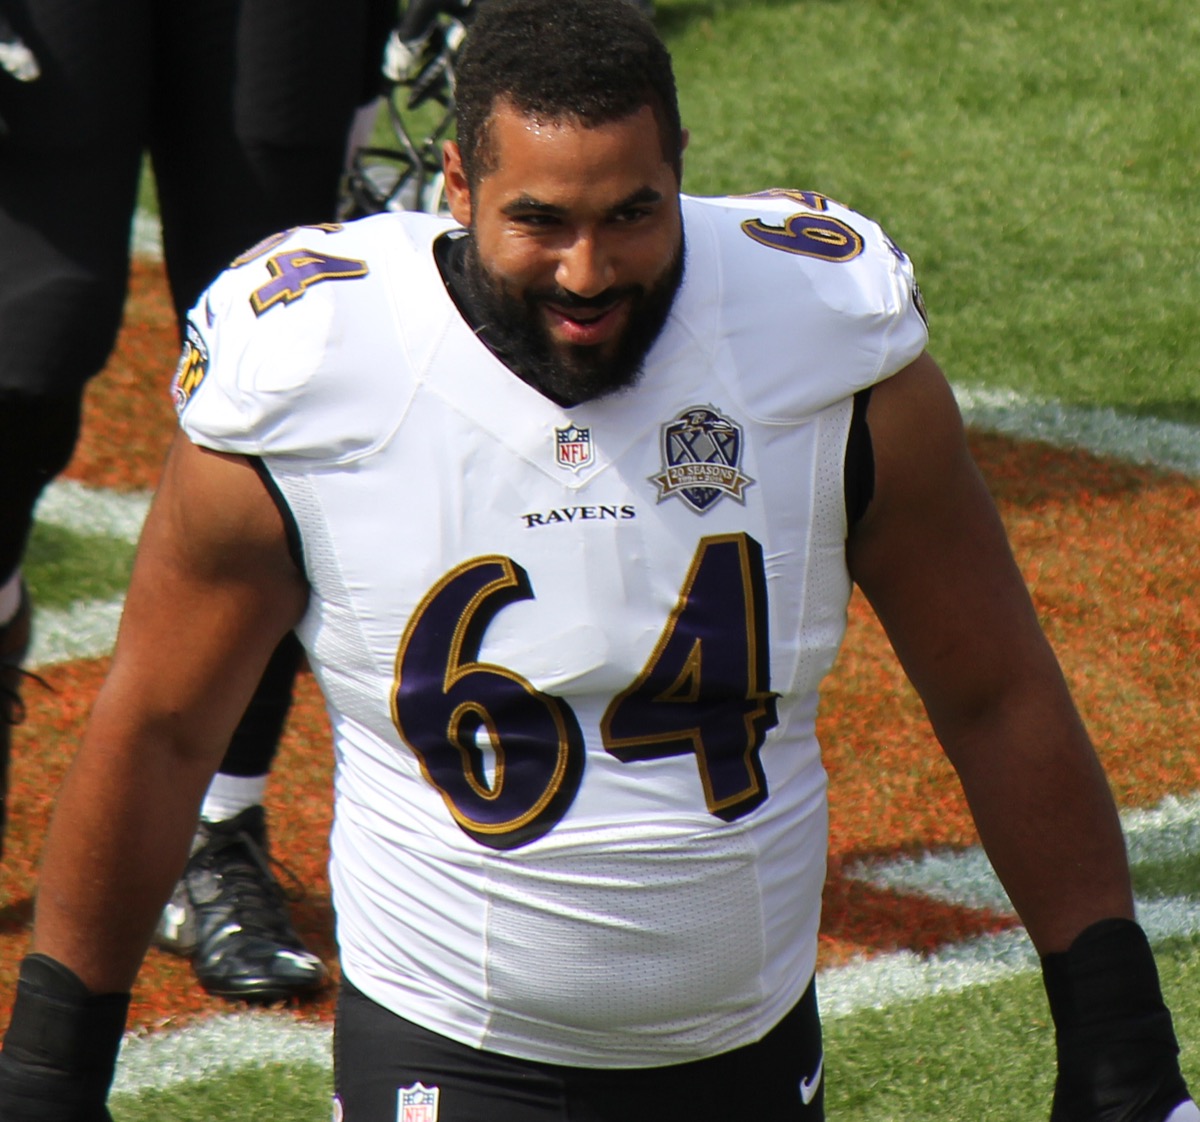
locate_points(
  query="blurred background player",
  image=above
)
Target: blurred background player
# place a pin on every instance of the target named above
(419, 72)
(244, 107)
(412, 45)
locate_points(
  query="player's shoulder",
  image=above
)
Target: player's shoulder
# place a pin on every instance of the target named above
(812, 299)
(286, 281)
(306, 323)
(796, 234)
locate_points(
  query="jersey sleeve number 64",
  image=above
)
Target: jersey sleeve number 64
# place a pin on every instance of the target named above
(704, 690)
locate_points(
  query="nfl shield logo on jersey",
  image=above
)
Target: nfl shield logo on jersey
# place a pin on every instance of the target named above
(418, 1103)
(573, 447)
(702, 453)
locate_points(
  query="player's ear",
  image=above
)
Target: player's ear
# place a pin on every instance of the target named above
(458, 191)
(684, 136)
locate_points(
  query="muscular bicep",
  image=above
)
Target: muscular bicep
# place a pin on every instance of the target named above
(214, 588)
(932, 556)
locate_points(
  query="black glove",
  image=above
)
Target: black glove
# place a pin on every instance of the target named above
(61, 1047)
(1117, 1052)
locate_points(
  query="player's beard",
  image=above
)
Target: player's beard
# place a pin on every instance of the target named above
(514, 326)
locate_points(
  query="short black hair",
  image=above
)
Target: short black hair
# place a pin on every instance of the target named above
(594, 61)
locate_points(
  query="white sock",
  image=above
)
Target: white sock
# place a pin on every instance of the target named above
(229, 795)
(10, 598)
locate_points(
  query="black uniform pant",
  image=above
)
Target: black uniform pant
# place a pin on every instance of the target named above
(383, 1064)
(244, 107)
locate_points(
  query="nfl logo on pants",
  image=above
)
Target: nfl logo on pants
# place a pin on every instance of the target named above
(418, 1103)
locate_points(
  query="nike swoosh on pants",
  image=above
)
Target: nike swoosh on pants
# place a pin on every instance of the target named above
(808, 1087)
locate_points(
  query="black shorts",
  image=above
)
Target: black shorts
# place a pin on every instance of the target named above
(387, 1069)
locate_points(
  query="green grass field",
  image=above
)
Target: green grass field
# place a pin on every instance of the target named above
(1038, 162)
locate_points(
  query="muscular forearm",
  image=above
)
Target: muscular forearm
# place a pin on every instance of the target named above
(214, 589)
(119, 838)
(1044, 813)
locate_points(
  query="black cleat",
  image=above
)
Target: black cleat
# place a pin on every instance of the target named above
(14, 642)
(229, 913)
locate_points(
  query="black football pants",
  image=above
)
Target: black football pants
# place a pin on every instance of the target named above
(383, 1062)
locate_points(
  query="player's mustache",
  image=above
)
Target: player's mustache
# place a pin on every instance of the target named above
(572, 302)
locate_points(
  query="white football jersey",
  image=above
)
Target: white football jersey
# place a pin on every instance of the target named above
(571, 655)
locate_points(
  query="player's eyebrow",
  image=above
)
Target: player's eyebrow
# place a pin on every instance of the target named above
(525, 204)
(641, 197)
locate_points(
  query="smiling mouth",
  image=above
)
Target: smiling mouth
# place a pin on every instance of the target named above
(584, 326)
(581, 314)
(586, 317)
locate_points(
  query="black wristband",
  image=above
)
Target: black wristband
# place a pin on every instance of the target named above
(1117, 1052)
(58, 1024)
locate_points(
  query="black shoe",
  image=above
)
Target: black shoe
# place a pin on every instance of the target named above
(230, 914)
(14, 642)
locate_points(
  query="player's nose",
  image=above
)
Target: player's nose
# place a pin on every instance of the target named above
(585, 267)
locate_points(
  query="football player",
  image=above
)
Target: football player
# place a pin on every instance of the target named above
(565, 498)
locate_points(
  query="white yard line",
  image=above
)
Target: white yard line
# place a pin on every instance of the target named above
(86, 629)
(882, 980)
(216, 1046)
(92, 510)
(1104, 432)
(965, 878)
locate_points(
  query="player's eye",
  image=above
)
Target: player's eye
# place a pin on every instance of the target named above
(536, 220)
